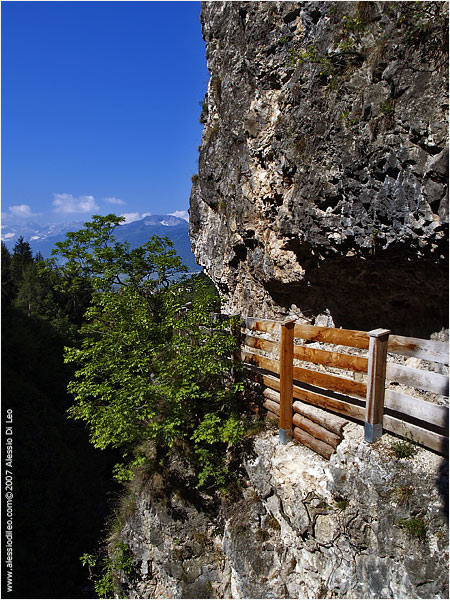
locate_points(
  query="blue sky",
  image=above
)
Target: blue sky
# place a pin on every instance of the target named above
(100, 108)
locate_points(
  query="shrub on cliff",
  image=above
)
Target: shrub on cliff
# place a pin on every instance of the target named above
(146, 369)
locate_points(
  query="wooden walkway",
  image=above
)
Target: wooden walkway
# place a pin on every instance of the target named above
(316, 379)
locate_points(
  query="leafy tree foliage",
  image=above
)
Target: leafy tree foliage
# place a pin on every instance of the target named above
(146, 368)
(107, 584)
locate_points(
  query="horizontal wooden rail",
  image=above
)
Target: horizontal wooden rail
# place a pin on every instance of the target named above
(338, 406)
(312, 442)
(411, 407)
(341, 337)
(429, 439)
(424, 380)
(417, 409)
(425, 349)
(271, 416)
(274, 407)
(316, 430)
(318, 413)
(271, 395)
(330, 382)
(264, 325)
(271, 382)
(269, 364)
(322, 417)
(260, 344)
(329, 421)
(331, 359)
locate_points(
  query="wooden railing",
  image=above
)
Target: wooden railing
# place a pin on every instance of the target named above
(309, 391)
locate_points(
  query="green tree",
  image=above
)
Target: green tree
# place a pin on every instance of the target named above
(34, 290)
(146, 368)
(22, 256)
(8, 287)
(30, 290)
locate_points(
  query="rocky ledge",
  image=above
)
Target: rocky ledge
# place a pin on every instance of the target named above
(363, 525)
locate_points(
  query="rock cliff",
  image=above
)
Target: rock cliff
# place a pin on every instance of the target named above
(321, 193)
(323, 168)
(364, 525)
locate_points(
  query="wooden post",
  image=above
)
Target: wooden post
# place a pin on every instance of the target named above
(236, 357)
(376, 375)
(286, 380)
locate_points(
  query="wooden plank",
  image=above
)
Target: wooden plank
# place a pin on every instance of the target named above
(286, 374)
(325, 419)
(416, 408)
(429, 439)
(272, 417)
(338, 406)
(330, 382)
(425, 349)
(424, 380)
(316, 430)
(342, 337)
(313, 443)
(260, 344)
(266, 325)
(271, 395)
(271, 382)
(322, 417)
(272, 406)
(376, 376)
(261, 361)
(331, 359)
(235, 330)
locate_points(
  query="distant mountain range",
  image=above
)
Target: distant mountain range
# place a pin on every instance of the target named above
(43, 238)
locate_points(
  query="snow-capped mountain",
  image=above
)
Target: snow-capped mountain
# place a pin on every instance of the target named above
(33, 232)
(43, 239)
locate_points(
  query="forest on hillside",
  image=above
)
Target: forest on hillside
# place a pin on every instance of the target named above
(61, 484)
(101, 333)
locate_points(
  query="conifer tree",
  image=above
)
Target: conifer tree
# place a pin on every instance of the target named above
(21, 257)
(8, 288)
(30, 292)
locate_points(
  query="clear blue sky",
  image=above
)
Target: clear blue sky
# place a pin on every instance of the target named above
(100, 108)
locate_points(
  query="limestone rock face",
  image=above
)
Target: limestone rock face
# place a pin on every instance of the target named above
(323, 169)
(301, 527)
(321, 193)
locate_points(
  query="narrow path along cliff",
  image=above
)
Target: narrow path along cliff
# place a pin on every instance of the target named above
(321, 195)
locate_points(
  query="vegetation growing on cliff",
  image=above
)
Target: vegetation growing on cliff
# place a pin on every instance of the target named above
(107, 584)
(146, 374)
(421, 26)
(148, 370)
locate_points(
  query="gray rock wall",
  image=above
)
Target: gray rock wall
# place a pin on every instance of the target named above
(300, 528)
(323, 169)
(322, 192)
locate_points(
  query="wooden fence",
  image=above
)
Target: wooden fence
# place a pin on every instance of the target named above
(305, 390)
